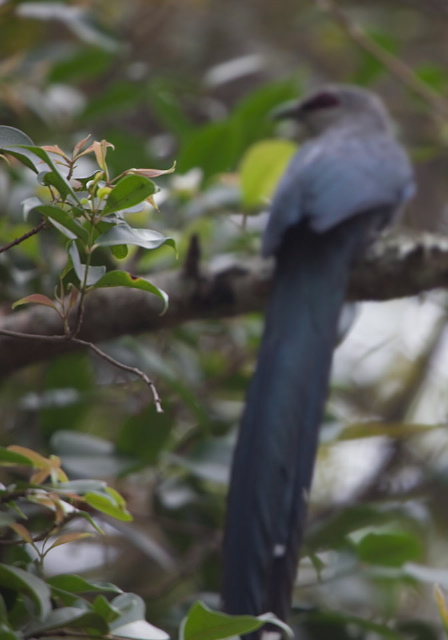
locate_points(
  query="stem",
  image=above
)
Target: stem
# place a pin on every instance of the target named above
(43, 534)
(71, 168)
(67, 633)
(80, 312)
(34, 336)
(13, 495)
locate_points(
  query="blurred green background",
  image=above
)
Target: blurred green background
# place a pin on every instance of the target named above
(194, 81)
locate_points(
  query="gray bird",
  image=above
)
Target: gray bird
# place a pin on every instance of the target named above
(341, 188)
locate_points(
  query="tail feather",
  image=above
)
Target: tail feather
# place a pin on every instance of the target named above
(274, 458)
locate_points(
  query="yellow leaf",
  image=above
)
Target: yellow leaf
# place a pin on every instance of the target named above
(70, 537)
(151, 201)
(100, 151)
(441, 604)
(40, 476)
(61, 476)
(261, 168)
(60, 511)
(37, 460)
(21, 531)
(43, 499)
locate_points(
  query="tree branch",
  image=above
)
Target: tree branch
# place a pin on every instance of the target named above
(42, 224)
(394, 64)
(397, 265)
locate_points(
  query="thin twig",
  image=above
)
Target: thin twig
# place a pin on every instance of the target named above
(25, 236)
(72, 633)
(89, 345)
(55, 526)
(125, 367)
(80, 310)
(34, 336)
(7, 496)
(391, 62)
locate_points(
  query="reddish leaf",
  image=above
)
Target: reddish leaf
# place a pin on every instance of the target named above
(36, 298)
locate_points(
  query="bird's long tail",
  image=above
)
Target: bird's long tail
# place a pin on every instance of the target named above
(274, 457)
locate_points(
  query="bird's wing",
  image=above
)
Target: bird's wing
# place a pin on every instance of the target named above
(330, 180)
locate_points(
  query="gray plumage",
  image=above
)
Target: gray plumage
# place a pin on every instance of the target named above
(353, 165)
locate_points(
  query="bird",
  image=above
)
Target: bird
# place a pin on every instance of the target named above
(347, 181)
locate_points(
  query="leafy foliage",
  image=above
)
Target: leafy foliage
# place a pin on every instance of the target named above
(89, 211)
(32, 605)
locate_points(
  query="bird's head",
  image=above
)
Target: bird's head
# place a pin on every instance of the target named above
(335, 106)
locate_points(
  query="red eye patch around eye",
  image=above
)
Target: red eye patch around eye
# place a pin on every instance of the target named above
(320, 101)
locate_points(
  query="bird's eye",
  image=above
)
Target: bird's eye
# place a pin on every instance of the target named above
(322, 100)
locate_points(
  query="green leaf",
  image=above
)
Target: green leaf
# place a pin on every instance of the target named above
(77, 584)
(65, 219)
(166, 105)
(208, 460)
(394, 430)
(91, 521)
(124, 234)
(140, 630)
(69, 442)
(6, 633)
(27, 583)
(144, 435)
(261, 168)
(369, 66)
(11, 457)
(68, 392)
(107, 504)
(72, 618)
(213, 148)
(25, 158)
(88, 456)
(3, 610)
(75, 19)
(124, 279)
(94, 273)
(129, 191)
(10, 136)
(333, 531)
(116, 497)
(118, 97)
(131, 622)
(203, 624)
(131, 607)
(11, 142)
(84, 63)
(54, 177)
(104, 608)
(389, 549)
(433, 75)
(120, 251)
(252, 116)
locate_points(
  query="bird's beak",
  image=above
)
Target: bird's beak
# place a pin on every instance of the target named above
(290, 110)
